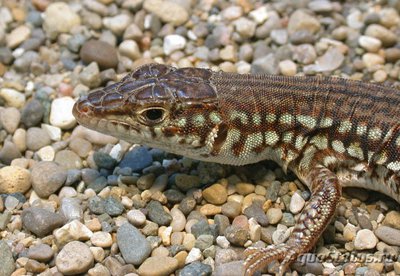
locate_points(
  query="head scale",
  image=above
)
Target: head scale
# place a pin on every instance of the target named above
(159, 106)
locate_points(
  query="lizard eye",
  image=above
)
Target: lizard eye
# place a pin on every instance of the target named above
(153, 115)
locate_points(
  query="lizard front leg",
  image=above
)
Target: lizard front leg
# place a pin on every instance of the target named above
(326, 192)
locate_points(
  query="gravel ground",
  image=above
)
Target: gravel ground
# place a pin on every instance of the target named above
(73, 201)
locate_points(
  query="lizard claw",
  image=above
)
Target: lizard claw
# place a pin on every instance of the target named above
(260, 257)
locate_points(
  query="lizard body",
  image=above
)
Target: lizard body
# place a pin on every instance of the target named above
(331, 132)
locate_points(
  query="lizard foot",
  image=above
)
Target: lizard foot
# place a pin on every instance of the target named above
(260, 257)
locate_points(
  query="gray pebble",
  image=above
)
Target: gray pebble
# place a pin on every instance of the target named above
(137, 159)
(104, 160)
(187, 205)
(32, 113)
(132, 244)
(7, 264)
(98, 184)
(41, 221)
(388, 235)
(96, 205)
(255, 211)
(186, 182)
(101, 52)
(113, 207)
(204, 241)
(157, 213)
(41, 252)
(68, 159)
(196, 269)
(9, 152)
(47, 178)
(37, 138)
(5, 218)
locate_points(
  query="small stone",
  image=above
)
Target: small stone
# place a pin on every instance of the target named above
(244, 188)
(34, 266)
(392, 54)
(186, 182)
(137, 159)
(90, 75)
(52, 131)
(230, 268)
(158, 265)
(130, 49)
(7, 264)
(372, 60)
(74, 230)
(68, 159)
(392, 219)
(369, 43)
(41, 221)
(104, 54)
(331, 60)
(296, 203)
(136, 217)
(104, 160)
(173, 42)
(387, 37)
(349, 232)
(37, 138)
(10, 118)
(215, 194)
(41, 252)
(61, 113)
(274, 215)
(388, 235)
(245, 27)
(11, 203)
(301, 20)
(9, 152)
(12, 97)
(256, 211)
(365, 239)
(47, 178)
(81, 147)
(113, 206)
(196, 268)
(288, 67)
(267, 64)
(118, 23)
(46, 153)
(74, 258)
(157, 213)
(169, 12)
(132, 244)
(231, 209)
(236, 236)
(14, 179)
(193, 256)
(17, 36)
(101, 239)
(59, 18)
(178, 220)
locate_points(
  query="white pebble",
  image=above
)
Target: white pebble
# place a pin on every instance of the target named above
(193, 256)
(61, 113)
(222, 242)
(12, 97)
(46, 153)
(296, 203)
(53, 131)
(173, 42)
(369, 43)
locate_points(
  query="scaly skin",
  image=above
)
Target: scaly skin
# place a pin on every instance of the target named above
(330, 132)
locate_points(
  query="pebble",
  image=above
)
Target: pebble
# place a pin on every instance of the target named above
(46, 153)
(52, 131)
(81, 147)
(37, 138)
(47, 178)
(68, 159)
(71, 207)
(365, 239)
(178, 220)
(231, 209)
(392, 219)
(158, 265)
(90, 75)
(387, 37)
(186, 182)
(157, 214)
(136, 217)
(7, 264)
(256, 211)
(74, 230)
(372, 60)
(41, 221)
(215, 194)
(41, 252)
(196, 268)
(17, 36)
(236, 235)
(12, 97)
(10, 118)
(169, 12)
(137, 159)
(369, 43)
(301, 20)
(118, 23)
(59, 18)
(11, 203)
(61, 113)
(132, 244)
(113, 206)
(34, 266)
(245, 27)
(130, 49)
(74, 258)
(388, 235)
(104, 54)
(193, 256)
(101, 239)
(173, 42)
(274, 215)
(14, 179)
(331, 60)
(9, 152)
(297, 203)
(93, 137)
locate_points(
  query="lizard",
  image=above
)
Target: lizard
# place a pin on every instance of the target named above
(331, 132)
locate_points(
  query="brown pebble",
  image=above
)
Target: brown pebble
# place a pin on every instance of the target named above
(101, 52)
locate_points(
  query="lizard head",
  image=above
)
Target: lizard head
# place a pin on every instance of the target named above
(158, 106)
